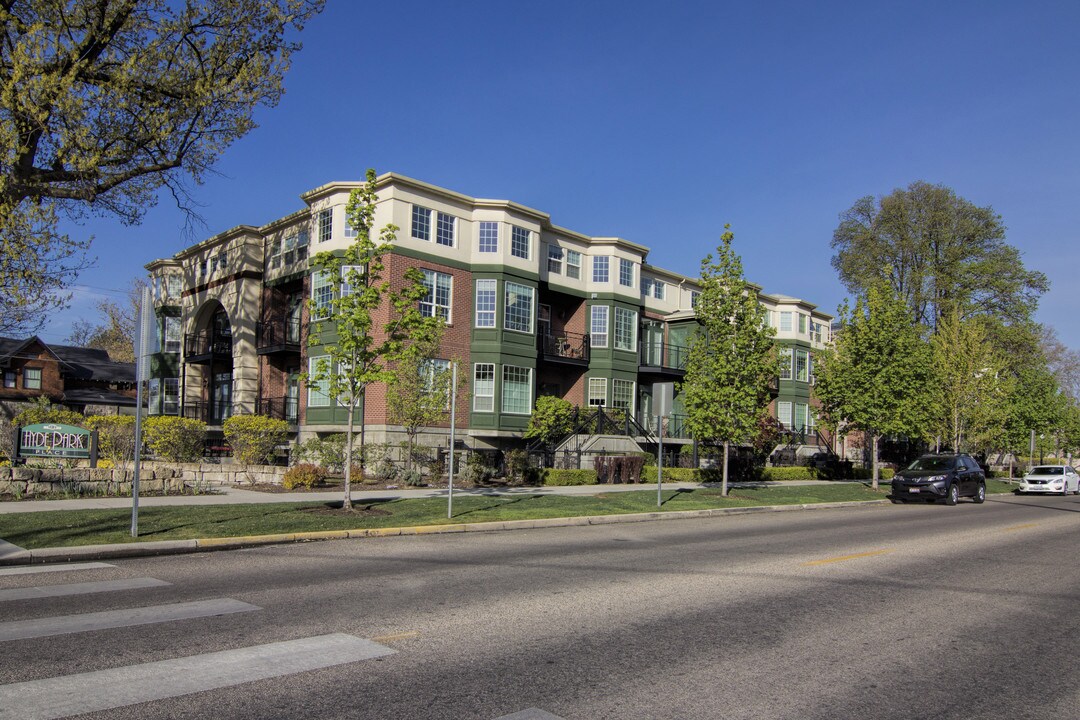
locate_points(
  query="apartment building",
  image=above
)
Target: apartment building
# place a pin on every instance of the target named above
(531, 309)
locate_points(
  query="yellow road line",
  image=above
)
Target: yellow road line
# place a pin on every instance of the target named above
(842, 558)
(1020, 527)
(397, 636)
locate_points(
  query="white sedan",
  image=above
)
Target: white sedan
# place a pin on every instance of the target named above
(1061, 479)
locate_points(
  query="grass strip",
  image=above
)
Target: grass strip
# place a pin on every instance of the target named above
(94, 527)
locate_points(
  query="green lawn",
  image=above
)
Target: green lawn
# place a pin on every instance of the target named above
(91, 527)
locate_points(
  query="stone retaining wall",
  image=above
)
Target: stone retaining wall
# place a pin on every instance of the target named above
(153, 477)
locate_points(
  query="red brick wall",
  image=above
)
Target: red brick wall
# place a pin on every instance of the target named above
(34, 356)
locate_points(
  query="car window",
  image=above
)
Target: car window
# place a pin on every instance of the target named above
(932, 463)
(1046, 470)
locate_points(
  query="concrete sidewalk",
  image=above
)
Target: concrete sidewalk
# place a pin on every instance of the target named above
(232, 495)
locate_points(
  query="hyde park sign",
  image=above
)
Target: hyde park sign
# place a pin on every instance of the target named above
(56, 440)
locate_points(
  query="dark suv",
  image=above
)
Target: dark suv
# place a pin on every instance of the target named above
(940, 477)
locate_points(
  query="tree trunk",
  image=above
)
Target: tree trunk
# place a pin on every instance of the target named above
(874, 460)
(346, 501)
(723, 483)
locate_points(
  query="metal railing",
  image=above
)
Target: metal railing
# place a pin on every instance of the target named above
(571, 346)
(206, 342)
(674, 425)
(663, 355)
(277, 333)
(211, 413)
(279, 408)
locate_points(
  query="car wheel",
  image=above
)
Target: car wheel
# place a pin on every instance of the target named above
(897, 501)
(1065, 488)
(980, 494)
(952, 494)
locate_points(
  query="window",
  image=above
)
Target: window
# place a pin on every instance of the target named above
(800, 416)
(430, 371)
(421, 223)
(174, 286)
(815, 331)
(622, 395)
(555, 259)
(489, 237)
(651, 287)
(519, 301)
(516, 390)
(626, 272)
(801, 365)
(811, 420)
(437, 301)
(600, 269)
(293, 248)
(625, 323)
(171, 331)
(802, 324)
(351, 274)
(350, 231)
(322, 293)
(485, 303)
(31, 378)
(444, 229)
(9, 378)
(153, 401)
(170, 396)
(598, 326)
(326, 225)
(783, 414)
(519, 242)
(694, 297)
(318, 395)
(573, 264)
(785, 321)
(810, 368)
(202, 269)
(484, 387)
(597, 392)
(785, 363)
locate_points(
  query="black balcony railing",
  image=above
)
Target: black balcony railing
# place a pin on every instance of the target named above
(278, 335)
(674, 425)
(211, 413)
(663, 355)
(204, 344)
(279, 408)
(568, 347)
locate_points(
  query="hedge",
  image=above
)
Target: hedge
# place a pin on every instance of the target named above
(562, 478)
(671, 474)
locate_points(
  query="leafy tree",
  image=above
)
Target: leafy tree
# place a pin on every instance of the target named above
(418, 395)
(254, 438)
(936, 251)
(357, 353)
(1064, 362)
(731, 359)
(877, 377)
(103, 104)
(970, 380)
(552, 419)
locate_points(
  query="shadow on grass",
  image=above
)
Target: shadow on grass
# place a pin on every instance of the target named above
(495, 506)
(676, 494)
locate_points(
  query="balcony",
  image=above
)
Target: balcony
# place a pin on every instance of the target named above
(278, 336)
(279, 408)
(674, 425)
(204, 347)
(665, 359)
(566, 348)
(211, 413)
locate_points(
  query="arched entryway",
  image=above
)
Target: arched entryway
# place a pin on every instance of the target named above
(208, 365)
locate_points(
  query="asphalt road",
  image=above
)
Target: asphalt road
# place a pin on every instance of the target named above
(886, 612)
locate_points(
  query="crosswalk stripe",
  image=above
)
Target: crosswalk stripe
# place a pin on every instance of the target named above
(63, 567)
(63, 696)
(85, 588)
(65, 624)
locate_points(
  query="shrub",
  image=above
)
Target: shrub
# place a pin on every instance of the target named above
(254, 438)
(327, 451)
(476, 470)
(517, 466)
(552, 419)
(43, 411)
(861, 473)
(562, 478)
(303, 475)
(174, 439)
(619, 468)
(116, 436)
(648, 474)
(412, 478)
(795, 472)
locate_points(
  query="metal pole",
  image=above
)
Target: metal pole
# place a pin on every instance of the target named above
(138, 447)
(660, 461)
(453, 415)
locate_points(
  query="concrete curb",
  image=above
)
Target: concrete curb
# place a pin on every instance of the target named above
(18, 556)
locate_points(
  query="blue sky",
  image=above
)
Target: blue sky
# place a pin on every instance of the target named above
(660, 123)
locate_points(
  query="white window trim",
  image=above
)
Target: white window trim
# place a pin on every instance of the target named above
(592, 326)
(477, 395)
(502, 391)
(506, 307)
(320, 387)
(495, 300)
(589, 396)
